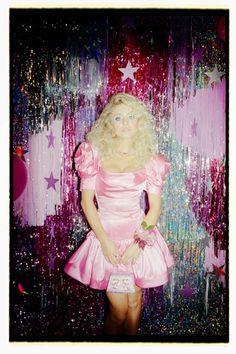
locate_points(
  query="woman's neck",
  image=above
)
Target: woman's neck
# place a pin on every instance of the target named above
(123, 145)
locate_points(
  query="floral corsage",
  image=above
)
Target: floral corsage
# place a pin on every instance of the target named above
(145, 235)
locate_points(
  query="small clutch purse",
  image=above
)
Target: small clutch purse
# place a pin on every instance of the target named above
(121, 283)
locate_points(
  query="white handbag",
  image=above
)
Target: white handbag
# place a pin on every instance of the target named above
(121, 283)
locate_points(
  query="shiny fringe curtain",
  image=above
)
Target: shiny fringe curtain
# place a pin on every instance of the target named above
(64, 68)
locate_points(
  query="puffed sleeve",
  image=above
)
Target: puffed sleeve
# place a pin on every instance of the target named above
(156, 172)
(86, 164)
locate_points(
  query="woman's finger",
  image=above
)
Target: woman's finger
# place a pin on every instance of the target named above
(123, 260)
(134, 260)
(111, 260)
(115, 259)
(128, 260)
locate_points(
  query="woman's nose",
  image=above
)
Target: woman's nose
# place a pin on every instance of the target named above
(125, 121)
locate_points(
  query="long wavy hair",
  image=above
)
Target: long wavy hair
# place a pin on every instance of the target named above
(102, 134)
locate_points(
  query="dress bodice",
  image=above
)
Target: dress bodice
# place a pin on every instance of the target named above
(119, 193)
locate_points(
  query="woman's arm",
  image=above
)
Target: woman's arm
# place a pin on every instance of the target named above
(132, 252)
(154, 209)
(108, 246)
(90, 211)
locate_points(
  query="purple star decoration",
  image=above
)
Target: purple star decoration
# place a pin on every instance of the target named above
(187, 292)
(128, 21)
(51, 181)
(197, 54)
(194, 127)
(50, 138)
(51, 262)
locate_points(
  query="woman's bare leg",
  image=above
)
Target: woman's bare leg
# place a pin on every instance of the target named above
(118, 309)
(134, 311)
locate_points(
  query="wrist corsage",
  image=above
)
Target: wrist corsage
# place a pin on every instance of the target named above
(145, 235)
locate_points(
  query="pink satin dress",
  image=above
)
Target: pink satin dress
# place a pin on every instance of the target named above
(118, 198)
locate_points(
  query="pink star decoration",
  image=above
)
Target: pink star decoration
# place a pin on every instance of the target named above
(50, 138)
(215, 75)
(51, 181)
(128, 72)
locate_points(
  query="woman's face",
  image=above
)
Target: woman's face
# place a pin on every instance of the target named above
(124, 121)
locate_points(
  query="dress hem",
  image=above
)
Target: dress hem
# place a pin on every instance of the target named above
(143, 284)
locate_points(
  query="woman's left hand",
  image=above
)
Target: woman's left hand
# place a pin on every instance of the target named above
(131, 254)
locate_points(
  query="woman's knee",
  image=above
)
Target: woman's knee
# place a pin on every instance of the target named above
(135, 300)
(134, 304)
(118, 315)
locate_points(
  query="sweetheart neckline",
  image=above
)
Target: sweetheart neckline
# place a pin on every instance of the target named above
(124, 172)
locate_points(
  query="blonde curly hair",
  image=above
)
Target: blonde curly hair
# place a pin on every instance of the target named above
(102, 135)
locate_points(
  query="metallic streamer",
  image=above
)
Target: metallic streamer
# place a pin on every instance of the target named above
(207, 293)
(71, 81)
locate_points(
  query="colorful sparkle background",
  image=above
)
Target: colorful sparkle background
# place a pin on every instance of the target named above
(64, 66)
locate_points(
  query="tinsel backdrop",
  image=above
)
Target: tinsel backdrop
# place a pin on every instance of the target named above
(65, 64)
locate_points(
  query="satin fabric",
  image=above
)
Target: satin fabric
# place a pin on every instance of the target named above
(118, 198)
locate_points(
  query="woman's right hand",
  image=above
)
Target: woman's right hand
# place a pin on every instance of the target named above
(110, 251)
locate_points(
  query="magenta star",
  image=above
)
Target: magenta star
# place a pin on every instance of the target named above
(194, 127)
(51, 181)
(50, 138)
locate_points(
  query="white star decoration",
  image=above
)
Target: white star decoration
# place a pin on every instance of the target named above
(128, 72)
(215, 75)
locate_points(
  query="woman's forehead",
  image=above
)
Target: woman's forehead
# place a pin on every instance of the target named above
(121, 108)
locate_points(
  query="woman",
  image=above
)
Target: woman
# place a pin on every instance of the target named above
(116, 163)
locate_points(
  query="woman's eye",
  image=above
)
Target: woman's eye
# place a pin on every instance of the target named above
(118, 118)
